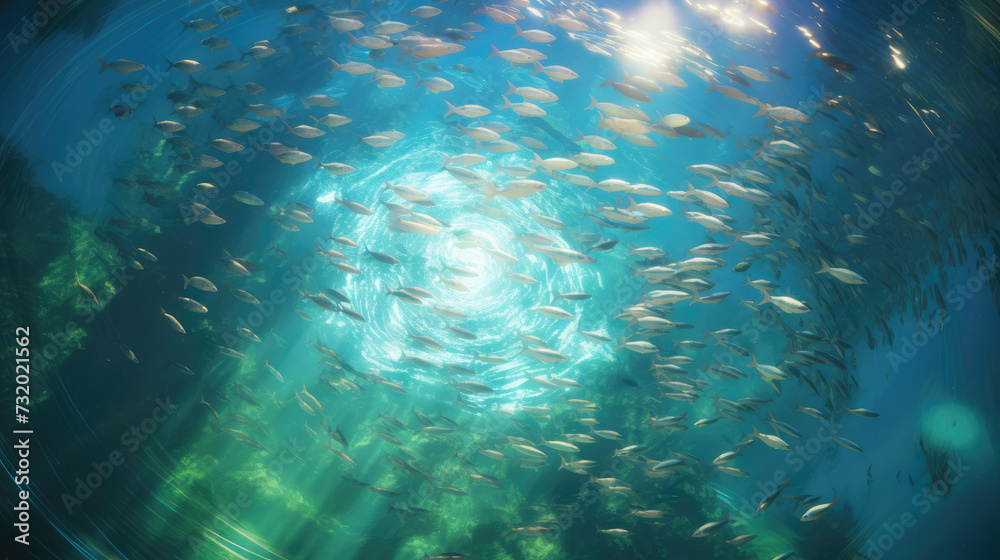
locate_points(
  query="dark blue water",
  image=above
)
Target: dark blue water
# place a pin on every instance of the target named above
(268, 429)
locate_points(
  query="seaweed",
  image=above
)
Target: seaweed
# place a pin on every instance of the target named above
(44, 248)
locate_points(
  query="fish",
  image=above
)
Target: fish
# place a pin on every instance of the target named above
(831, 60)
(186, 66)
(274, 372)
(191, 305)
(785, 303)
(862, 412)
(248, 198)
(711, 527)
(844, 275)
(199, 25)
(486, 480)
(244, 296)
(560, 256)
(172, 321)
(774, 442)
(846, 443)
(817, 512)
(628, 90)
(383, 258)
(86, 292)
(122, 66)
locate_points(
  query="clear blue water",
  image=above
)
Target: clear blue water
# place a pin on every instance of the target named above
(895, 179)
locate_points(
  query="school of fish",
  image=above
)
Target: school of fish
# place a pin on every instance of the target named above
(737, 223)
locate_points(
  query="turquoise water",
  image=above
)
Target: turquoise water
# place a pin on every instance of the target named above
(271, 429)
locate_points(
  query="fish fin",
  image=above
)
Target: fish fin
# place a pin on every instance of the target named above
(491, 191)
(824, 268)
(763, 108)
(714, 86)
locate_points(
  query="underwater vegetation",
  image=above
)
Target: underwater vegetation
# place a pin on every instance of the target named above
(46, 247)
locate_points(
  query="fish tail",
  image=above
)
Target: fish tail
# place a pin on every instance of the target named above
(336, 66)
(169, 64)
(495, 52)
(451, 108)
(491, 191)
(714, 85)
(506, 102)
(513, 88)
(350, 40)
(538, 67)
(104, 65)
(517, 31)
(763, 109)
